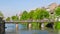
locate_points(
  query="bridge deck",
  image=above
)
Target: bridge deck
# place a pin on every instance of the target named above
(25, 21)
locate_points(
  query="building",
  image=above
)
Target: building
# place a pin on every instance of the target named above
(51, 7)
(20, 15)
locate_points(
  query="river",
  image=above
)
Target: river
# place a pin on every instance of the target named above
(23, 30)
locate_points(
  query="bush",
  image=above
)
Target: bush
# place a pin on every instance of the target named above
(57, 25)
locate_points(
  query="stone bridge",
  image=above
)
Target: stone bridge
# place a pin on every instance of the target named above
(41, 22)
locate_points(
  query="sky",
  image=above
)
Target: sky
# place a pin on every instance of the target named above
(13, 7)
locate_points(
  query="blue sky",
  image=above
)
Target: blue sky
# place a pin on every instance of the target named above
(12, 7)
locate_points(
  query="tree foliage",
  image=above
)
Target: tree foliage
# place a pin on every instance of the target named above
(31, 14)
(36, 14)
(57, 11)
(1, 14)
(8, 19)
(41, 14)
(24, 16)
(44, 13)
(15, 18)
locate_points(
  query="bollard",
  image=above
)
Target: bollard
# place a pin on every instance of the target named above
(2, 26)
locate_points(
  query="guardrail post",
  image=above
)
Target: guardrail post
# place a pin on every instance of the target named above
(2, 26)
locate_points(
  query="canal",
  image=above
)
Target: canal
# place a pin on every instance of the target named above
(11, 29)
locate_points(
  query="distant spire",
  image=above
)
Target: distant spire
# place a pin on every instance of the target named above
(20, 14)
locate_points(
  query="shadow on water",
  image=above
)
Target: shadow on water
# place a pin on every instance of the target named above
(23, 30)
(50, 25)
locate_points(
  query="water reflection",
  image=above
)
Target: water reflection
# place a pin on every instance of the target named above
(58, 31)
(23, 30)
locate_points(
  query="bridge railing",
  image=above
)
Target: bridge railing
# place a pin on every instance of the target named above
(29, 21)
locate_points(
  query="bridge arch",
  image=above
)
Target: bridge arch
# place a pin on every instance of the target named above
(50, 25)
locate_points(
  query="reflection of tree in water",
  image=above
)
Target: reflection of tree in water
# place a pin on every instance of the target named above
(51, 31)
(58, 31)
(11, 32)
(34, 33)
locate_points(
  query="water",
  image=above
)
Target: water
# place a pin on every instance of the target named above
(23, 30)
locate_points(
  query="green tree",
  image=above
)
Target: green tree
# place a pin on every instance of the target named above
(8, 19)
(31, 14)
(1, 14)
(57, 12)
(36, 14)
(44, 13)
(24, 15)
(41, 14)
(15, 18)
